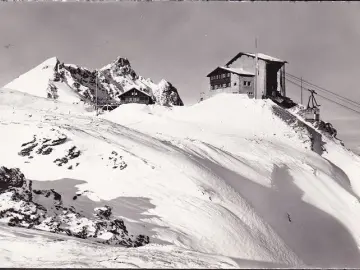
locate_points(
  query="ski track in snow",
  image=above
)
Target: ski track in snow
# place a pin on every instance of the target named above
(226, 194)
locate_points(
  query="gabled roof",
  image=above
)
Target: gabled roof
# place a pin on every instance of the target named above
(261, 56)
(238, 71)
(134, 88)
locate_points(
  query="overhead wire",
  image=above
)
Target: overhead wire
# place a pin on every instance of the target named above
(324, 97)
(345, 99)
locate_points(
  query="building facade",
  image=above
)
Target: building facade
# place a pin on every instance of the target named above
(134, 95)
(238, 76)
(228, 80)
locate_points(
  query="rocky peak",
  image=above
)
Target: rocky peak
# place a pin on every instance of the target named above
(121, 67)
(164, 84)
(121, 62)
(167, 95)
(71, 83)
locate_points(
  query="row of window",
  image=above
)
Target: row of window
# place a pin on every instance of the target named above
(224, 85)
(249, 93)
(247, 83)
(133, 99)
(220, 76)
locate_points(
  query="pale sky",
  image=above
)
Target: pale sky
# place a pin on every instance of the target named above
(183, 41)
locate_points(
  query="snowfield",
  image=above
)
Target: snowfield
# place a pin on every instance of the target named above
(224, 183)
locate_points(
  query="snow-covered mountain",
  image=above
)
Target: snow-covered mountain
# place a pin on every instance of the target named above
(226, 183)
(72, 84)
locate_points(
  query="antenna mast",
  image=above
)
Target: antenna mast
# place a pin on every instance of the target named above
(301, 89)
(256, 70)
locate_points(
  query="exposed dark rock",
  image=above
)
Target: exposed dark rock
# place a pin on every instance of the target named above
(72, 153)
(36, 216)
(26, 151)
(25, 144)
(82, 234)
(57, 196)
(59, 141)
(44, 150)
(61, 161)
(141, 240)
(104, 212)
(11, 178)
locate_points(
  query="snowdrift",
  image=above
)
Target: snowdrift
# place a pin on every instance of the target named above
(224, 183)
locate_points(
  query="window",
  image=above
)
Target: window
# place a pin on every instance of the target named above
(247, 83)
(228, 75)
(224, 85)
(228, 84)
(133, 99)
(212, 87)
(250, 93)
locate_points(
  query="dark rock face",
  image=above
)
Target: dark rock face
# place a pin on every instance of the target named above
(54, 216)
(11, 178)
(27, 150)
(52, 91)
(45, 144)
(72, 153)
(104, 212)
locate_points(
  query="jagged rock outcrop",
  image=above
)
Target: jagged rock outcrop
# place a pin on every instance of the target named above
(11, 178)
(23, 206)
(167, 95)
(70, 83)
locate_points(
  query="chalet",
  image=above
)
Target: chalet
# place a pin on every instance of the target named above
(135, 95)
(231, 80)
(238, 76)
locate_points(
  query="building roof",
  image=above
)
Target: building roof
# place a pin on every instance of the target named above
(238, 71)
(132, 87)
(260, 56)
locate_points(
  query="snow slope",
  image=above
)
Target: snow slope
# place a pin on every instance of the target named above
(72, 84)
(223, 183)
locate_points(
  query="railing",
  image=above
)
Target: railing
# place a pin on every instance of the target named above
(108, 106)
